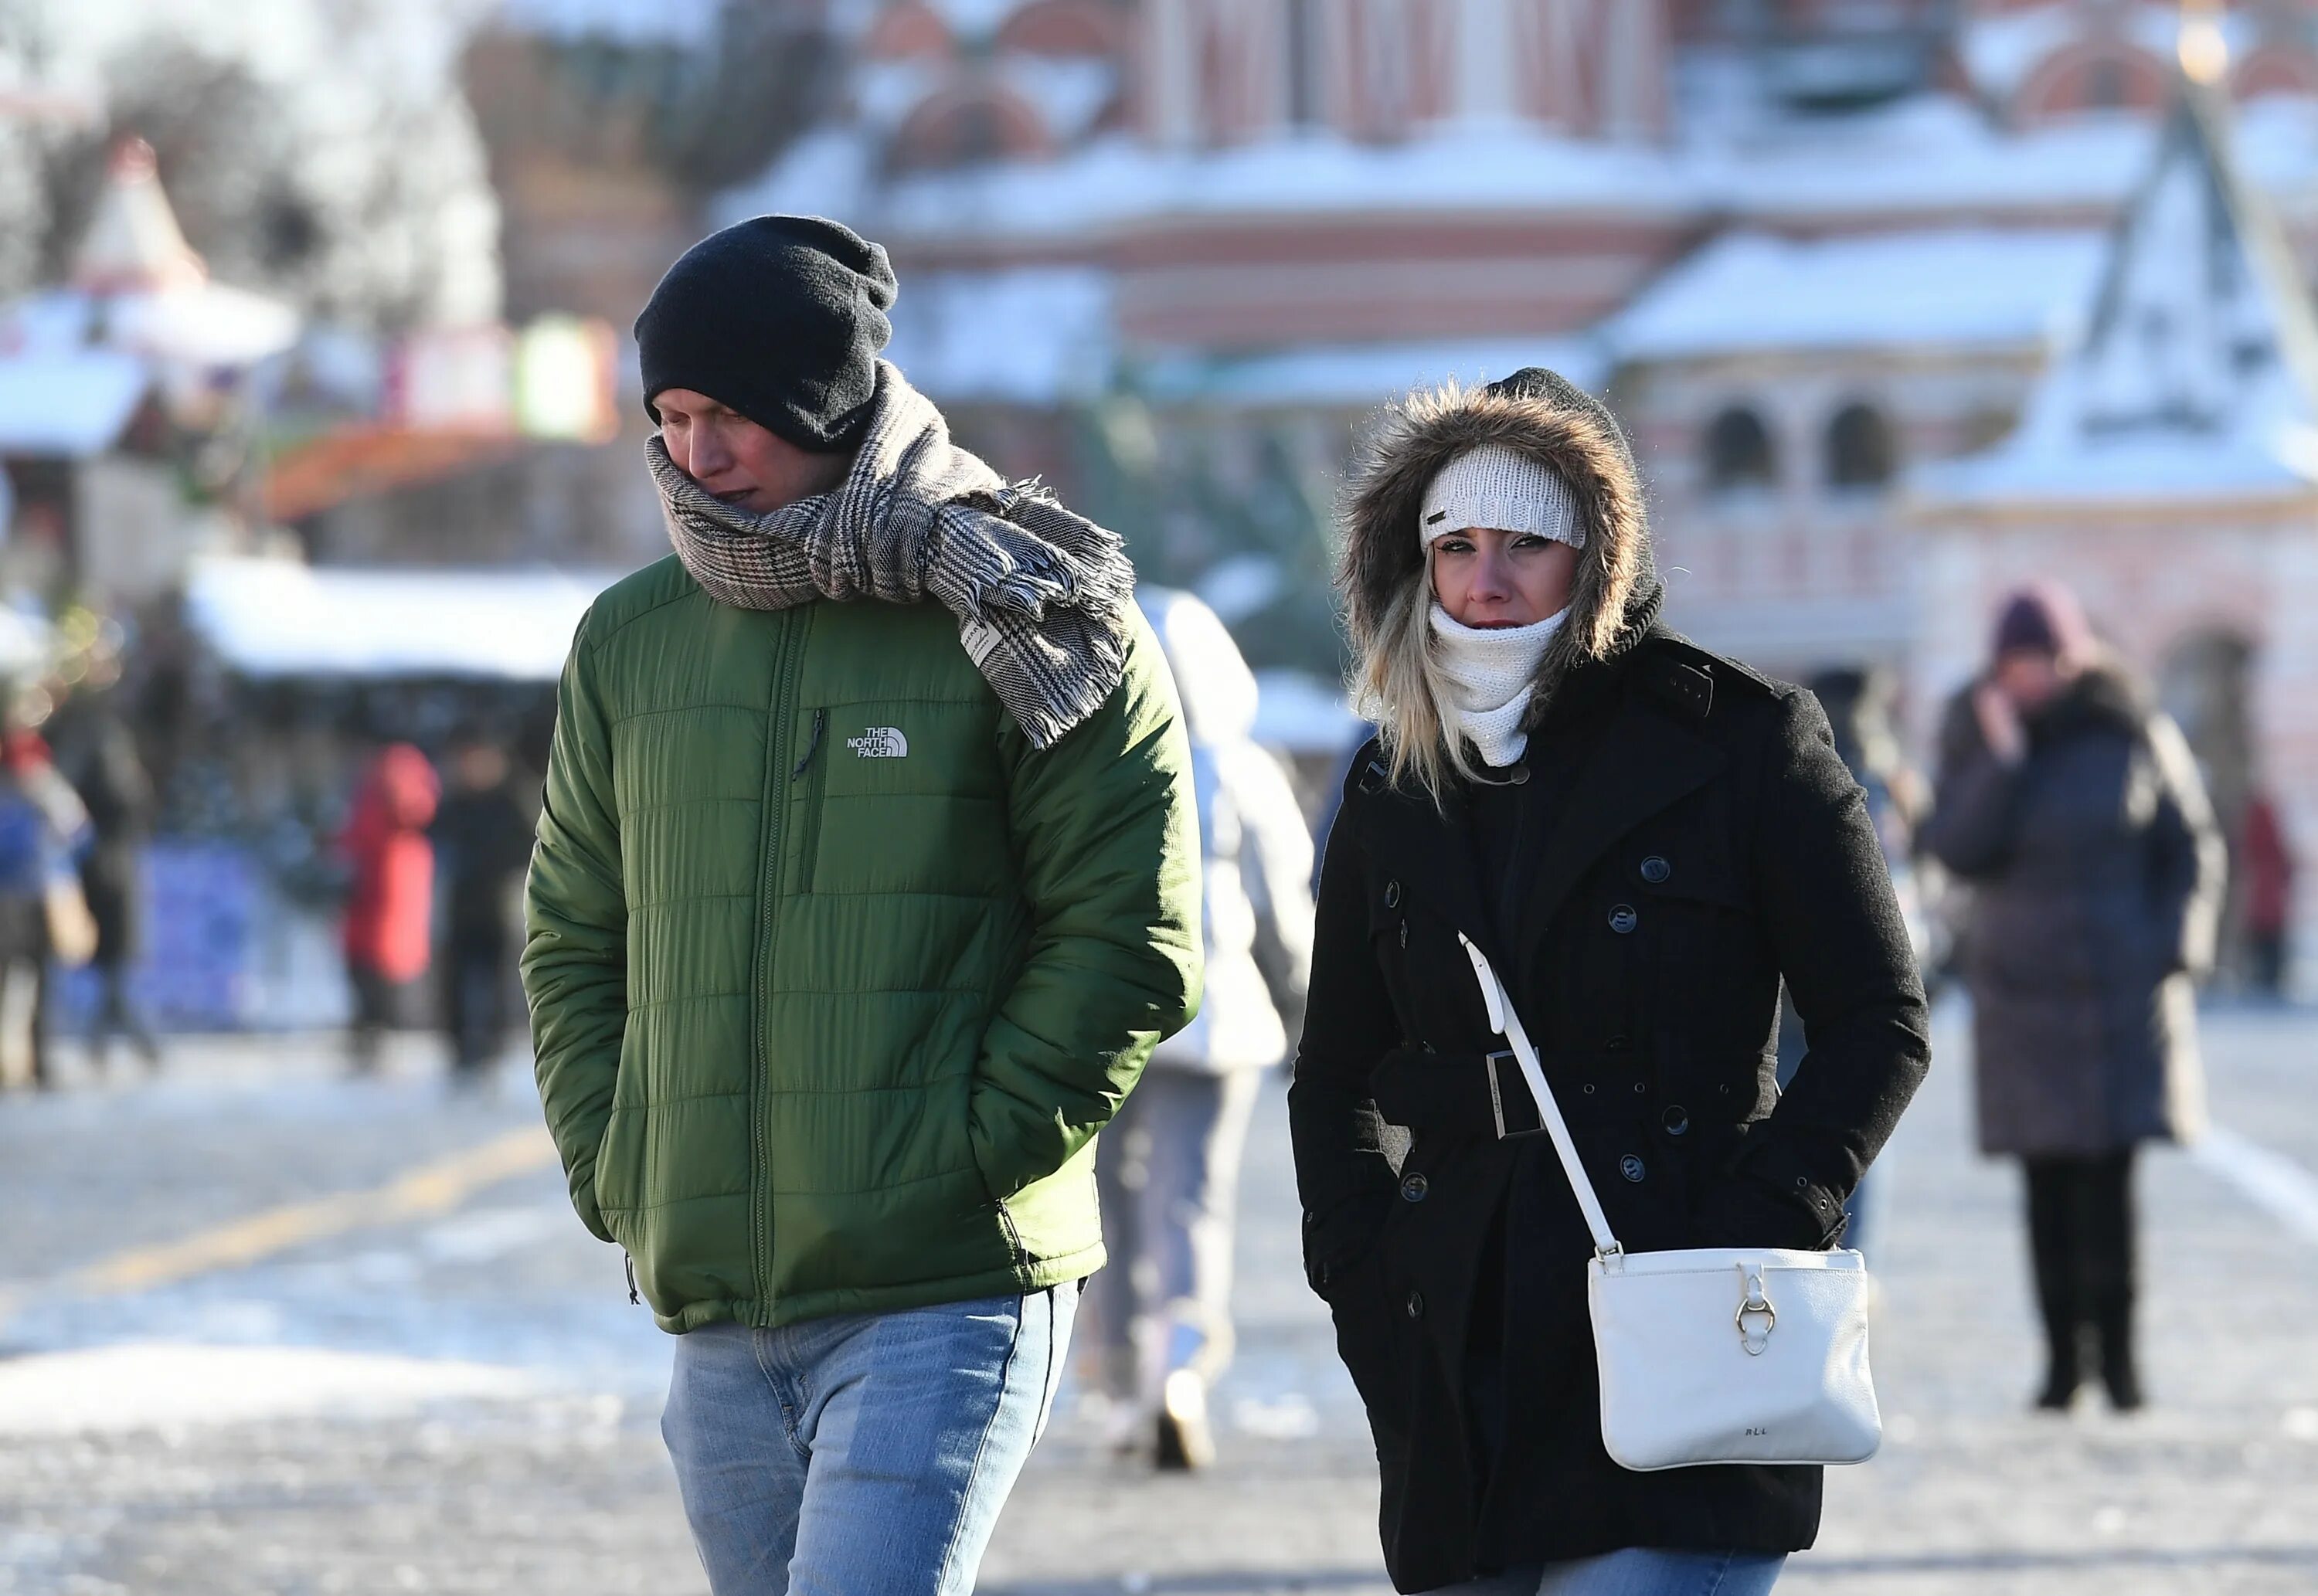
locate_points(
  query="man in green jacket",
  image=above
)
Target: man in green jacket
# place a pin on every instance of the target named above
(865, 882)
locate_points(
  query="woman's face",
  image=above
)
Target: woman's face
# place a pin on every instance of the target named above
(1487, 578)
(2031, 678)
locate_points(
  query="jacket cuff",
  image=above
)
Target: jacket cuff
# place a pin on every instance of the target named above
(1771, 1191)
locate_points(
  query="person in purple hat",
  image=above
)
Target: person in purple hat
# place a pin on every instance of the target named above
(2072, 805)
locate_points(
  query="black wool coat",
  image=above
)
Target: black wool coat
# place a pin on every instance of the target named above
(2097, 873)
(1687, 838)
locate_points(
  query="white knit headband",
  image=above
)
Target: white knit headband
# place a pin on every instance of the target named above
(1493, 485)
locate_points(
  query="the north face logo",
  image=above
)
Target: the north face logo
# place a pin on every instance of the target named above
(880, 742)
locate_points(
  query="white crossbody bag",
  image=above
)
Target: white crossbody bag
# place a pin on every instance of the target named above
(1712, 1354)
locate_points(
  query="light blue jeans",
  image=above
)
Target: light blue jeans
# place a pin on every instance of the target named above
(866, 1452)
(1638, 1570)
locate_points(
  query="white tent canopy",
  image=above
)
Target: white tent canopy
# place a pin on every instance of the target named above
(272, 618)
(75, 403)
(25, 642)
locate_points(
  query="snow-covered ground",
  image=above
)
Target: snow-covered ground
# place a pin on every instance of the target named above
(459, 1397)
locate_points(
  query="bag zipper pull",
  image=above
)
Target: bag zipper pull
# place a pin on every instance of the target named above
(628, 1261)
(813, 744)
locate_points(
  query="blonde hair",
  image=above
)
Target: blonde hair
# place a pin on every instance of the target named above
(1399, 681)
(1401, 687)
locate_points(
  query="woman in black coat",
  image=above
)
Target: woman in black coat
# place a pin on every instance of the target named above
(1644, 839)
(2073, 807)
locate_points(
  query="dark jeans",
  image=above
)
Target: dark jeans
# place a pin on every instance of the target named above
(2266, 953)
(475, 978)
(117, 1015)
(378, 1010)
(2080, 1234)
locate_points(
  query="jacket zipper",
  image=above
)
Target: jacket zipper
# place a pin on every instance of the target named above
(628, 1260)
(768, 877)
(809, 844)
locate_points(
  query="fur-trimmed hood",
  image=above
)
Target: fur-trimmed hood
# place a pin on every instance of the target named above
(1615, 596)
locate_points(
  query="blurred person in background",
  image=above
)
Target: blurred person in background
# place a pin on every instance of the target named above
(2266, 861)
(2072, 805)
(391, 899)
(98, 751)
(482, 835)
(1168, 1167)
(43, 917)
(866, 880)
(1858, 705)
(1645, 838)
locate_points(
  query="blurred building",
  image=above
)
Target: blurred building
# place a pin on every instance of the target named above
(1813, 250)
(117, 386)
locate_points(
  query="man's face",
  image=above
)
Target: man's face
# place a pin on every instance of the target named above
(740, 462)
(480, 767)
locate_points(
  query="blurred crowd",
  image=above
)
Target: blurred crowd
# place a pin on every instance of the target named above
(2065, 815)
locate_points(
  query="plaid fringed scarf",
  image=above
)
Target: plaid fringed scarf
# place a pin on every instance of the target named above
(1040, 594)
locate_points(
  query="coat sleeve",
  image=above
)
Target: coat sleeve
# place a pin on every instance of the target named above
(1344, 1182)
(575, 955)
(1842, 947)
(1106, 827)
(1976, 801)
(2187, 859)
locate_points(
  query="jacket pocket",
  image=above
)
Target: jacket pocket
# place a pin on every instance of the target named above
(1368, 1339)
(618, 1180)
(809, 784)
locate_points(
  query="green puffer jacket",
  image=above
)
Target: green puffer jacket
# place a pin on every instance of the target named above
(833, 975)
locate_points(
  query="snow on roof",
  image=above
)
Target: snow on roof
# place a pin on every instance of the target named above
(1070, 93)
(826, 173)
(205, 325)
(1033, 335)
(1927, 154)
(282, 618)
(1113, 179)
(72, 403)
(1954, 287)
(1365, 374)
(1999, 52)
(633, 21)
(133, 239)
(2197, 375)
(975, 19)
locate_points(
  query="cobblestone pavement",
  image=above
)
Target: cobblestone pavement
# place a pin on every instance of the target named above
(461, 1400)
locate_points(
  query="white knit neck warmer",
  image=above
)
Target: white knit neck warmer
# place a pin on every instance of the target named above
(1489, 671)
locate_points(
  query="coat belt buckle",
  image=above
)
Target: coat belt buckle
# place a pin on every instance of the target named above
(1498, 1066)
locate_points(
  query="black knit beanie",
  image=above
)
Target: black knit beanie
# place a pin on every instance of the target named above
(780, 318)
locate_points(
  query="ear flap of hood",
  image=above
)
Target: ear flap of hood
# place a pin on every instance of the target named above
(1614, 596)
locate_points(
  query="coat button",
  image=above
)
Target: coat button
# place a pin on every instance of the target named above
(1416, 1304)
(1392, 894)
(1589, 1089)
(1631, 1167)
(1623, 919)
(1676, 1120)
(1413, 1189)
(1655, 870)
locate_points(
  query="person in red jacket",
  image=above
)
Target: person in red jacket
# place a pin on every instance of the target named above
(390, 905)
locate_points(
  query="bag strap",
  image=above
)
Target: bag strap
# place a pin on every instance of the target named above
(1506, 1023)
